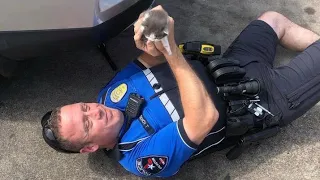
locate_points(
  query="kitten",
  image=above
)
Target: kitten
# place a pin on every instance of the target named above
(155, 27)
(155, 24)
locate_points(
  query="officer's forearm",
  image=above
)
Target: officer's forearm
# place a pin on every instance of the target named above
(200, 112)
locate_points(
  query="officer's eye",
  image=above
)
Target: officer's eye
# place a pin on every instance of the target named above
(86, 124)
(85, 107)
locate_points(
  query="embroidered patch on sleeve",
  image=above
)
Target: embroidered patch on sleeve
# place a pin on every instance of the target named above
(151, 165)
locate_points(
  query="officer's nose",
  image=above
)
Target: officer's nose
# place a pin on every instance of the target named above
(95, 113)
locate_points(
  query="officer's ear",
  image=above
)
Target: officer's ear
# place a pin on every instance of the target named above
(89, 148)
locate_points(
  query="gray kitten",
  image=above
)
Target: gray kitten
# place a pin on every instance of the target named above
(155, 24)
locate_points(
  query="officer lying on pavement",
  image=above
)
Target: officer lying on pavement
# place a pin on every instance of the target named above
(162, 110)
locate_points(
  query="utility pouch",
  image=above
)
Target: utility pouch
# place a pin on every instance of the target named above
(225, 70)
(215, 64)
(238, 107)
(239, 125)
(228, 75)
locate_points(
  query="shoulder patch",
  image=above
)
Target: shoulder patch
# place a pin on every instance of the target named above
(151, 165)
(118, 93)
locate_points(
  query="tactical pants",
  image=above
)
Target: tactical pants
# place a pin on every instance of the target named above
(292, 89)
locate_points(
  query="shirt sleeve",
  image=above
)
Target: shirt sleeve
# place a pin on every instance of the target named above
(162, 154)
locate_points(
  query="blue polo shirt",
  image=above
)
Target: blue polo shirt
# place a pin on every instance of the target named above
(160, 145)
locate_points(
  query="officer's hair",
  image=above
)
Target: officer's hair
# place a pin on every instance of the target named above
(55, 125)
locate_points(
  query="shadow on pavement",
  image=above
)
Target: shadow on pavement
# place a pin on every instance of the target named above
(105, 166)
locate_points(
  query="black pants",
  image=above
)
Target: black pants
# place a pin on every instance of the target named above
(290, 90)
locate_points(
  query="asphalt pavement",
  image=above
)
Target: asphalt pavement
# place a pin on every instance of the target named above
(69, 77)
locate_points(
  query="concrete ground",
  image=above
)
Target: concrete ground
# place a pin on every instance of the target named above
(70, 77)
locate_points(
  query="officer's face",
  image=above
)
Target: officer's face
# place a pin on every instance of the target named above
(91, 123)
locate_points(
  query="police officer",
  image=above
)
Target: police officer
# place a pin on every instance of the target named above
(160, 111)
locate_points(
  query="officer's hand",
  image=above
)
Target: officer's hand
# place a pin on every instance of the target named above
(150, 47)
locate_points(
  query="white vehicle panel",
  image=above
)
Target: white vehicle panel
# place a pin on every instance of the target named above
(18, 15)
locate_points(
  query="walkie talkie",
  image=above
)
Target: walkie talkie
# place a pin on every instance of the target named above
(133, 108)
(134, 105)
